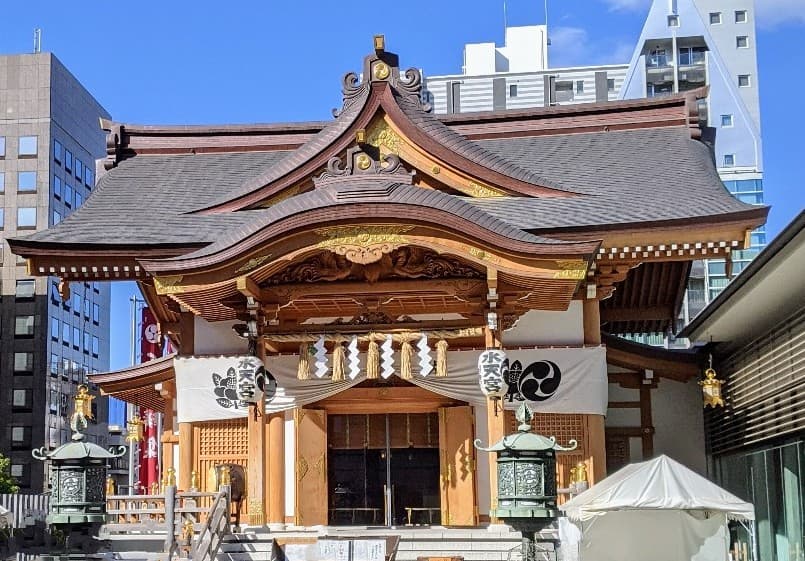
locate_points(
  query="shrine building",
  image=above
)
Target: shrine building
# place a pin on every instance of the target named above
(370, 259)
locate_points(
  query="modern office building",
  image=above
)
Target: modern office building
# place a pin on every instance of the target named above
(517, 76)
(51, 338)
(684, 45)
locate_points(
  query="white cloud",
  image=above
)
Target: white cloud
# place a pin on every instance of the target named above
(572, 46)
(771, 13)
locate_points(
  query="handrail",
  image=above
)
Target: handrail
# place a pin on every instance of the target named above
(205, 546)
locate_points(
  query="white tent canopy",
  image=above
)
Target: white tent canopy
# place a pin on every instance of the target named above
(657, 510)
(658, 484)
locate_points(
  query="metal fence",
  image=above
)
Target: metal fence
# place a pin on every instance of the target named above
(26, 509)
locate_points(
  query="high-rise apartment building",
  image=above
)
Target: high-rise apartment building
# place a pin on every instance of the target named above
(684, 45)
(50, 339)
(688, 44)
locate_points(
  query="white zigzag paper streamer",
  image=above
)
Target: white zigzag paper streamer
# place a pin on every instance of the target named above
(425, 364)
(386, 358)
(353, 360)
(321, 358)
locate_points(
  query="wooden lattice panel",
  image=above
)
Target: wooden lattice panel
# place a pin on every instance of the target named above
(220, 442)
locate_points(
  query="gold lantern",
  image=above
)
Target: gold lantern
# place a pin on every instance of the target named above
(134, 430)
(711, 387)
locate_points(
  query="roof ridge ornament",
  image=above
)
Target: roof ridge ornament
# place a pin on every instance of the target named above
(382, 67)
(361, 164)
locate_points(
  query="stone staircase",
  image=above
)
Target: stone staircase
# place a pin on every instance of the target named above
(495, 544)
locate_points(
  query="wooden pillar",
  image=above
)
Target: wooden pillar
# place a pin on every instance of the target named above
(187, 456)
(596, 438)
(646, 422)
(495, 427)
(276, 469)
(255, 478)
(168, 392)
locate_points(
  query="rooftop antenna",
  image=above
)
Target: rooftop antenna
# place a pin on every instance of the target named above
(37, 40)
(546, 23)
(505, 18)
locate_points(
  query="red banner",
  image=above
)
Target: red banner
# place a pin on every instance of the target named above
(150, 348)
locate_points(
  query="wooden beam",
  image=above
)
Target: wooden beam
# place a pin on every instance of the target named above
(636, 314)
(255, 477)
(646, 422)
(623, 405)
(460, 287)
(592, 322)
(249, 288)
(366, 328)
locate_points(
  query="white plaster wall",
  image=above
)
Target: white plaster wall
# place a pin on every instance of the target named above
(679, 423)
(548, 328)
(482, 463)
(290, 464)
(218, 338)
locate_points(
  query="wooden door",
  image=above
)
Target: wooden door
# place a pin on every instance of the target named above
(457, 464)
(311, 467)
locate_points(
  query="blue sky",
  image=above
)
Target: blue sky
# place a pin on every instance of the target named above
(212, 62)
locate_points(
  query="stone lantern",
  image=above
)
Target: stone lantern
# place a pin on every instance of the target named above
(78, 473)
(526, 464)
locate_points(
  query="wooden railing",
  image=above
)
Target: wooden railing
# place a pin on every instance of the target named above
(206, 545)
(169, 514)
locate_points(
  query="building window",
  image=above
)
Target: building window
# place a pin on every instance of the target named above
(657, 58)
(673, 21)
(68, 195)
(25, 288)
(2, 182)
(96, 345)
(57, 189)
(715, 18)
(87, 342)
(24, 325)
(76, 303)
(564, 91)
(726, 120)
(16, 470)
(68, 160)
(23, 362)
(79, 200)
(89, 177)
(76, 338)
(78, 170)
(26, 181)
(691, 55)
(87, 305)
(57, 151)
(55, 361)
(455, 97)
(56, 217)
(27, 146)
(743, 81)
(96, 314)
(740, 16)
(26, 217)
(65, 333)
(742, 42)
(512, 90)
(17, 434)
(54, 328)
(2, 147)
(20, 398)
(579, 86)
(2, 218)
(729, 160)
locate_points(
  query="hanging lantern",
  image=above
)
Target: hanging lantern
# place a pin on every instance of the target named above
(251, 378)
(493, 369)
(711, 388)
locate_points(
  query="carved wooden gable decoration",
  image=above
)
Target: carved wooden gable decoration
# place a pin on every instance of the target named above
(384, 132)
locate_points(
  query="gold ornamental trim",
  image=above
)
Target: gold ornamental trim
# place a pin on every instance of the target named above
(169, 284)
(572, 269)
(381, 135)
(480, 191)
(363, 244)
(302, 468)
(253, 263)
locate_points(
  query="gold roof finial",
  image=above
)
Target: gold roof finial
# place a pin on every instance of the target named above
(380, 43)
